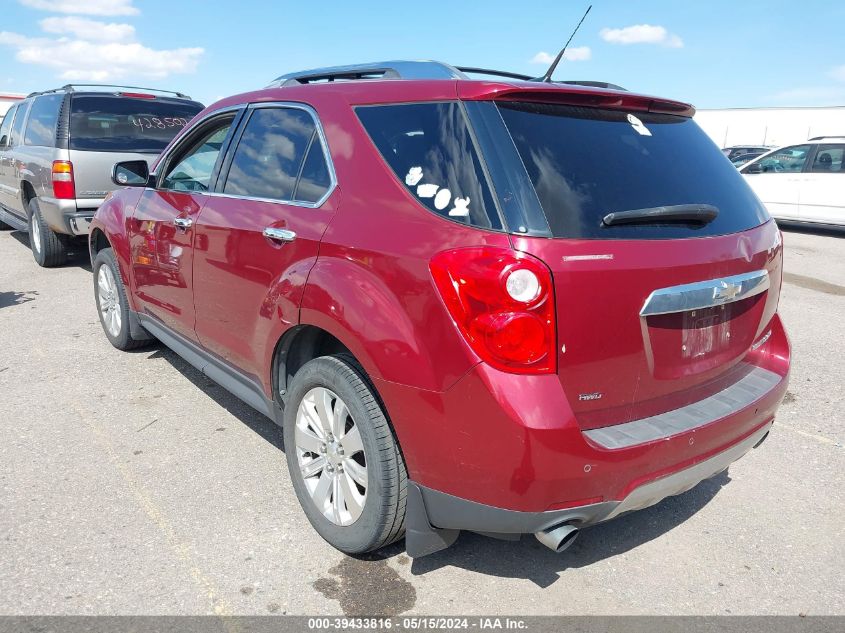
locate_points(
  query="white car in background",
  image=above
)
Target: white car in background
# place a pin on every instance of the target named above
(803, 182)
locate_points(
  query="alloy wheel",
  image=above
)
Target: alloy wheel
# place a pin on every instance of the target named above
(35, 233)
(331, 457)
(109, 300)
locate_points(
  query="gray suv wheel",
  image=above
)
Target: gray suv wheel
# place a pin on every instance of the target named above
(48, 247)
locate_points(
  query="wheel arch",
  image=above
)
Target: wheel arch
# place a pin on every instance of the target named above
(108, 230)
(27, 195)
(305, 342)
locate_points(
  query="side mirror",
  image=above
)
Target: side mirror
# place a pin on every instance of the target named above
(753, 168)
(131, 173)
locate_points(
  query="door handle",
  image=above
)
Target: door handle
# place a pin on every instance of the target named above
(183, 223)
(279, 235)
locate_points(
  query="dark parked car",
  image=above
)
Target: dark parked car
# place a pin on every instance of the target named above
(507, 307)
(741, 159)
(738, 150)
(57, 149)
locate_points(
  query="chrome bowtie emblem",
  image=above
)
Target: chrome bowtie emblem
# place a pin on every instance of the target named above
(726, 291)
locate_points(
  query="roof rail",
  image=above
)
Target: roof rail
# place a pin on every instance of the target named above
(76, 87)
(593, 84)
(376, 70)
(494, 73)
(399, 69)
(822, 138)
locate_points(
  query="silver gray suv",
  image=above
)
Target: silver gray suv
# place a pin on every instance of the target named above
(57, 150)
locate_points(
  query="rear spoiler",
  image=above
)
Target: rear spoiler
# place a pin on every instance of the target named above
(572, 95)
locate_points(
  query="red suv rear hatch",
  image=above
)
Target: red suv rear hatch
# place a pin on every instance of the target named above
(658, 310)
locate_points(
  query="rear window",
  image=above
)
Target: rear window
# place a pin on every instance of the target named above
(587, 162)
(429, 148)
(123, 124)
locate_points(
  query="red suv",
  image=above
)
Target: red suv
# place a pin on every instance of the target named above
(501, 306)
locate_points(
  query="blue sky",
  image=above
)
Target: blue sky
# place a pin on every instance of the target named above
(714, 54)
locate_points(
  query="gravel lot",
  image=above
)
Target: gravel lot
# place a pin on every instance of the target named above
(131, 484)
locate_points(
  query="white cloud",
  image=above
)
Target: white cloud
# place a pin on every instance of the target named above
(838, 73)
(574, 54)
(642, 34)
(90, 30)
(81, 60)
(84, 7)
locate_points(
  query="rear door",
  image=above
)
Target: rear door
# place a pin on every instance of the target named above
(107, 128)
(652, 314)
(823, 186)
(778, 181)
(259, 233)
(162, 228)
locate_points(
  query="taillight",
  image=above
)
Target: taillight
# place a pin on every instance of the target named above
(503, 304)
(63, 186)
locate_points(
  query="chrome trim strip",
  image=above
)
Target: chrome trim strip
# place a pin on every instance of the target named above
(705, 294)
(743, 393)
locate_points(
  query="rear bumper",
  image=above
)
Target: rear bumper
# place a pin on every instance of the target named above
(71, 217)
(511, 447)
(435, 518)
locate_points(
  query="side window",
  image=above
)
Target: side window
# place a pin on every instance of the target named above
(6, 126)
(270, 156)
(787, 160)
(41, 126)
(315, 179)
(17, 125)
(429, 148)
(191, 168)
(829, 158)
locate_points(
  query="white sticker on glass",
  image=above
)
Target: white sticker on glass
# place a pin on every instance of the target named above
(413, 176)
(461, 208)
(442, 199)
(639, 126)
(427, 191)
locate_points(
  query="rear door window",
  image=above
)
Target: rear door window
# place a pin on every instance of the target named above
(587, 162)
(111, 123)
(270, 154)
(41, 126)
(829, 159)
(429, 148)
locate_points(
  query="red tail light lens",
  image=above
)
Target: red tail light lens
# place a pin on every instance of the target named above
(503, 304)
(63, 185)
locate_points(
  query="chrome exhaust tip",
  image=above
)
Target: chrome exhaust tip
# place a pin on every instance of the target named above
(559, 537)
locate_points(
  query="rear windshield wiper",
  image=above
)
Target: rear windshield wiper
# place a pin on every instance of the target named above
(681, 213)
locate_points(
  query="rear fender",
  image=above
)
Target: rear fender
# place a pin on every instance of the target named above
(355, 306)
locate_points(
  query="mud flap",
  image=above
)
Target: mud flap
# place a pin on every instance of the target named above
(421, 538)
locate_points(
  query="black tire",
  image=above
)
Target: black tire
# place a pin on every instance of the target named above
(122, 338)
(48, 247)
(382, 520)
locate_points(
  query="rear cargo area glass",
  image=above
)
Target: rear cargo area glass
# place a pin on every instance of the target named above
(109, 123)
(588, 162)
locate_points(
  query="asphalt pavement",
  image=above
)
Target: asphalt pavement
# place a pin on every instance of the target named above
(131, 484)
